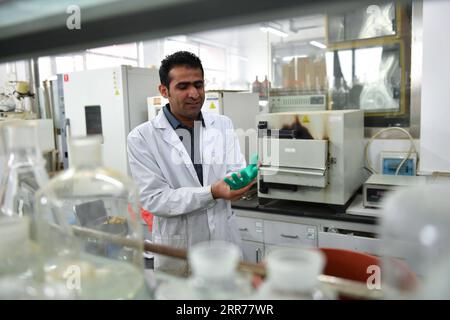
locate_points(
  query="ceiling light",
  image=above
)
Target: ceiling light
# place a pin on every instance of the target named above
(317, 44)
(273, 28)
(289, 58)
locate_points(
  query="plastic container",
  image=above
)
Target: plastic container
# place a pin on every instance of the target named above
(292, 274)
(90, 226)
(213, 277)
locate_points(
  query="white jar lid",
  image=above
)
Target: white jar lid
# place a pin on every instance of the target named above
(214, 259)
(294, 268)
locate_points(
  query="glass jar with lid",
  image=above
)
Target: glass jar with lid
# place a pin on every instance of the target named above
(214, 275)
(292, 274)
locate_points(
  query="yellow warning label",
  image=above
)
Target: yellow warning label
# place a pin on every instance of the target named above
(305, 119)
(117, 92)
(212, 105)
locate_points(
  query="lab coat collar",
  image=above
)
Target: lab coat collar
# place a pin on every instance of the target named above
(170, 137)
(161, 121)
(208, 119)
(174, 122)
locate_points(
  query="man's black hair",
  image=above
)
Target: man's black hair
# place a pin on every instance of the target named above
(179, 58)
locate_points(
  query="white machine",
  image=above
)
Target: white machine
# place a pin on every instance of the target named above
(240, 107)
(378, 185)
(297, 102)
(313, 156)
(109, 102)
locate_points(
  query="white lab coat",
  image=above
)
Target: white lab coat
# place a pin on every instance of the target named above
(184, 211)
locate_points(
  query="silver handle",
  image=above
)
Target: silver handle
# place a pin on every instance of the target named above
(68, 129)
(243, 229)
(258, 250)
(312, 172)
(289, 236)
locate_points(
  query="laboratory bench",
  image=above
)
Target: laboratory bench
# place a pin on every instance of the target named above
(302, 209)
(265, 224)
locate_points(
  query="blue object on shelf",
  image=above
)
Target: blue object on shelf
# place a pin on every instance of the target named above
(391, 165)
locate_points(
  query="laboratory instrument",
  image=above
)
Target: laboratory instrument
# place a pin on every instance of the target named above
(391, 160)
(378, 185)
(311, 156)
(290, 102)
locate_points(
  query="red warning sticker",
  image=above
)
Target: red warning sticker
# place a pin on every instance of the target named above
(66, 78)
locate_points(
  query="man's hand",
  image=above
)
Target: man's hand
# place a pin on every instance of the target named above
(221, 190)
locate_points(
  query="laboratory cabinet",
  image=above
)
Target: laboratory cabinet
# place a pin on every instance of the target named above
(290, 233)
(261, 231)
(252, 251)
(251, 232)
(250, 229)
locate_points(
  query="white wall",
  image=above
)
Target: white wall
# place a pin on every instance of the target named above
(254, 45)
(153, 53)
(435, 104)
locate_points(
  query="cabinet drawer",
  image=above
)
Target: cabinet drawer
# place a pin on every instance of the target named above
(253, 251)
(250, 229)
(290, 233)
(349, 242)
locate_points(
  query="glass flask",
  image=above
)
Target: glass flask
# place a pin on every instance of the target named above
(292, 274)
(415, 234)
(91, 227)
(24, 170)
(20, 266)
(214, 277)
